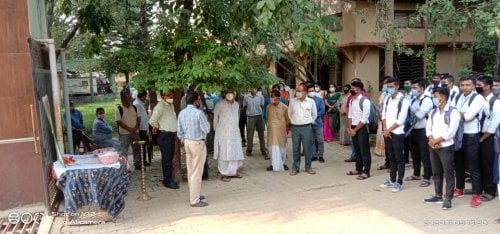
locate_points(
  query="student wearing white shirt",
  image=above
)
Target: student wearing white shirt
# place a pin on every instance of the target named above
(421, 107)
(470, 106)
(490, 121)
(447, 81)
(393, 123)
(441, 128)
(436, 78)
(357, 127)
(302, 113)
(144, 125)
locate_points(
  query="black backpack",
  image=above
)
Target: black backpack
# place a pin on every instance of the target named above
(120, 108)
(373, 118)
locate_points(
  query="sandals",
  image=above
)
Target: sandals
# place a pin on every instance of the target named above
(363, 176)
(237, 176)
(486, 197)
(353, 173)
(425, 183)
(225, 179)
(267, 157)
(411, 178)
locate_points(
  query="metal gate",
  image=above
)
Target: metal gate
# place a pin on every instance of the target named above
(42, 86)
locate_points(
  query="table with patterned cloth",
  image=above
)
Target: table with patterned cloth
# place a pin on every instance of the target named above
(89, 182)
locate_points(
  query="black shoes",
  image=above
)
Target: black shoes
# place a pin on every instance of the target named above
(171, 185)
(314, 159)
(286, 167)
(321, 160)
(270, 168)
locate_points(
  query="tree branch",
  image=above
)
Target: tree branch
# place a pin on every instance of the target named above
(70, 35)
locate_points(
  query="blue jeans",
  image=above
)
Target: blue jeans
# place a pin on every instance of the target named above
(318, 145)
(302, 135)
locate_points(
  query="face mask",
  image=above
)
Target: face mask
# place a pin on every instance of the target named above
(415, 92)
(406, 88)
(170, 100)
(479, 90)
(229, 96)
(352, 92)
(391, 91)
(496, 92)
(346, 91)
(384, 88)
(331, 90)
(436, 101)
(311, 94)
(298, 94)
(259, 92)
(317, 89)
(281, 89)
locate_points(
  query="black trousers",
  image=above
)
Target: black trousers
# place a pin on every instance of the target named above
(394, 146)
(487, 158)
(166, 141)
(442, 162)
(420, 153)
(211, 134)
(406, 150)
(468, 158)
(143, 135)
(361, 144)
(242, 124)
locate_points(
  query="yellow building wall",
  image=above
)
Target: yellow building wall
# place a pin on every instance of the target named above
(365, 67)
(451, 62)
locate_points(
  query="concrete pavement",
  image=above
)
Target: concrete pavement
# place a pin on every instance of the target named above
(275, 202)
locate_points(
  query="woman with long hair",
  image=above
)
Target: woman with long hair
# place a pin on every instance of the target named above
(344, 138)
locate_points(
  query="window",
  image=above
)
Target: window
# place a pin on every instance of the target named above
(407, 19)
(85, 83)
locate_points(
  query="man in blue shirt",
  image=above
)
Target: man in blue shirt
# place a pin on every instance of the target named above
(77, 126)
(192, 129)
(318, 146)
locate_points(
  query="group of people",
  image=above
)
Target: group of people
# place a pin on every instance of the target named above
(451, 131)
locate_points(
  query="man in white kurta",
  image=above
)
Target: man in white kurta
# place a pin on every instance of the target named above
(227, 143)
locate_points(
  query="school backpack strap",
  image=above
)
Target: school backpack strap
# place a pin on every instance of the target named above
(120, 108)
(361, 101)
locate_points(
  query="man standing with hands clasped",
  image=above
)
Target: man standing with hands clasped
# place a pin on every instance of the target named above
(192, 129)
(302, 113)
(441, 127)
(393, 122)
(128, 121)
(359, 112)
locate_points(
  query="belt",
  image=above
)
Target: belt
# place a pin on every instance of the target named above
(471, 134)
(166, 132)
(195, 140)
(301, 125)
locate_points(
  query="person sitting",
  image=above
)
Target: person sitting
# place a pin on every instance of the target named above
(102, 131)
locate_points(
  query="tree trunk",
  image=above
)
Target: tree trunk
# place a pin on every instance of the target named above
(70, 35)
(144, 24)
(426, 32)
(50, 5)
(389, 45)
(179, 57)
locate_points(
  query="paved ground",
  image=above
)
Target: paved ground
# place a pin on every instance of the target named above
(275, 202)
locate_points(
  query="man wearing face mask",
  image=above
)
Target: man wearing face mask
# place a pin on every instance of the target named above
(447, 81)
(490, 121)
(277, 123)
(421, 107)
(358, 119)
(164, 122)
(318, 145)
(253, 105)
(496, 86)
(227, 144)
(302, 112)
(436, 78)
(394, 116)
(408, 95)
(470, 107)
(192, 129)
(441, 128)
(128, 121)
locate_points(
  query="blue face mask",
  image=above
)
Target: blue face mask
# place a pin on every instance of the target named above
(415, 92)
(384, 88)
(391, 91)
(436, 101)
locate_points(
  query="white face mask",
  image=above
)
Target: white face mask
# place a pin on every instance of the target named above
(259, 92)
(169, 100)
(317, 89)
(331, 90)
(298, 94)
(229, 96)
(311, 94)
